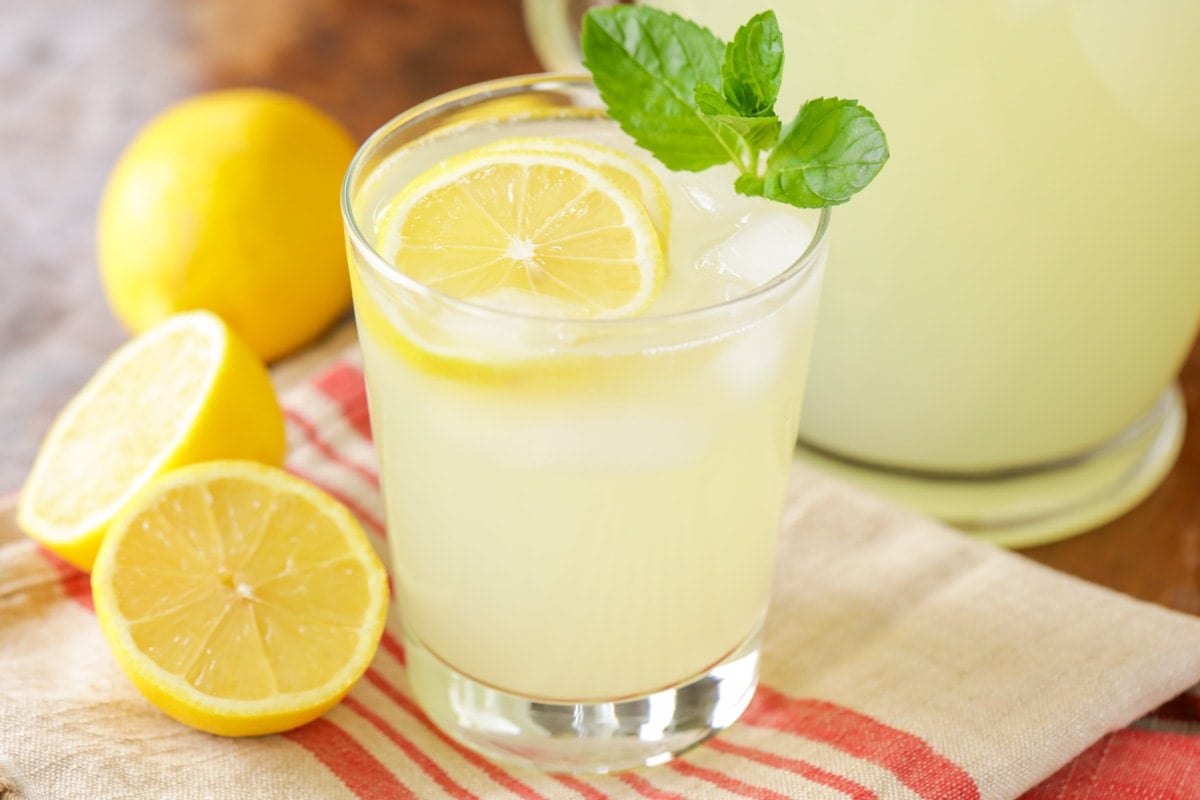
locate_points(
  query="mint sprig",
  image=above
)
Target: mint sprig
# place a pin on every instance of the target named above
(753, 66)
(695, 102)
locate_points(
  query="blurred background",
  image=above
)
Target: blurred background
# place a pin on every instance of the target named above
(79, 78)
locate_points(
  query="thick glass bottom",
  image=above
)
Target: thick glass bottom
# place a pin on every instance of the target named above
(1021, 508)
(590, 737)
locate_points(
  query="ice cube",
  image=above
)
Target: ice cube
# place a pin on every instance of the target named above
(749, 361)
(753, 361)
(701, 190)
(764, 245)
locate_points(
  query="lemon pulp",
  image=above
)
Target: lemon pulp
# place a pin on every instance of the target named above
(238, 598)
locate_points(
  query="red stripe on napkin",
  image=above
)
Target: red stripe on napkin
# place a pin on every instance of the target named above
(498, 774)
(414, 753)
(366, 517)
(75, 584)
(646, 789)
(343, 384)
(1146, 765)
(346, 758)
(852, 789)
(908, 757)
(725, 781)
(581, 788)
(392, 646)
(309, 429)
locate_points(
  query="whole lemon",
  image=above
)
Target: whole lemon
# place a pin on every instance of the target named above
(229, 201)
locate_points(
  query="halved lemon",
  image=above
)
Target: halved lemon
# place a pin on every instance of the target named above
(186, 390)
(535, 232)
(623, 169)
(239, 599)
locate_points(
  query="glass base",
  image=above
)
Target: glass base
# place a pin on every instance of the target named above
(589, 737)
(1039, 505)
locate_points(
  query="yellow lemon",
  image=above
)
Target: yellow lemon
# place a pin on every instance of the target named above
(239, 599)
(229, 201)
(186, 390)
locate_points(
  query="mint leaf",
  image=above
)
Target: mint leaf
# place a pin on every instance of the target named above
(759, 133)
(646, 64)
(711, 102)
(694, 103)
(832, 150)
(748, 184)
(753, 66)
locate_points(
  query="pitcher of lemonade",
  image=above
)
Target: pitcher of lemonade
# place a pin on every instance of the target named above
(1006, 310)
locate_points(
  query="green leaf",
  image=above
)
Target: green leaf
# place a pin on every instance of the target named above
(759, 133)
(754, 132)
(753, 66)
(832, 150)
(749, 185)
(710, 101)
(694, 103)
(647, 64)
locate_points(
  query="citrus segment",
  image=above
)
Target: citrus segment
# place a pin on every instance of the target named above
(626, 171)
(545, 234)
(186, 390)
(239, 599)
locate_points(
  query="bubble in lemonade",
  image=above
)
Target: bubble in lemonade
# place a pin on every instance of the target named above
(583, 507)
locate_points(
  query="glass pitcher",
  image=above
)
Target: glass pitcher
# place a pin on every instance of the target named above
(1008, 305)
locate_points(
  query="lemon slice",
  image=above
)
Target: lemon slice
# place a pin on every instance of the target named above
(239, 599)
(535, 232)
(623, 169)
(186, 390)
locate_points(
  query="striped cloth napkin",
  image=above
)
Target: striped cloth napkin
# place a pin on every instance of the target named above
(901, 660)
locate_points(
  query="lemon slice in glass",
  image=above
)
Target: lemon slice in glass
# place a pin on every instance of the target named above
(534, 232)
(239, 599)
(623, 169)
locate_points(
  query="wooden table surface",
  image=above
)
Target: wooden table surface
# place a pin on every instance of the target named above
(79, 77)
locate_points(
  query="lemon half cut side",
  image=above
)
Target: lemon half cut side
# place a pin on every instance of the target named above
(186, 390)
(239, 599)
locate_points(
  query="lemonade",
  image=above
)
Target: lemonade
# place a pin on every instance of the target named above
(1024, 282)
(583, 510)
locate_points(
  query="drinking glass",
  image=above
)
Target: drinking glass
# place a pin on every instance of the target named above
(581, 514)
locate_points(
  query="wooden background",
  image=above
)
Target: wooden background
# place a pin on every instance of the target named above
(79, 77)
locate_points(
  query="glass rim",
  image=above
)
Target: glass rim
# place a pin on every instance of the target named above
(518, 84)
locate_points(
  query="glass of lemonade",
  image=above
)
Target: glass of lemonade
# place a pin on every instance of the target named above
(582, 507)
(1008, 307)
